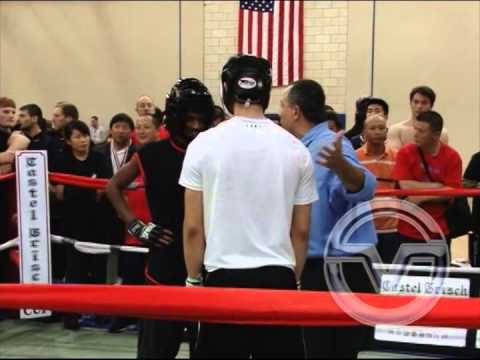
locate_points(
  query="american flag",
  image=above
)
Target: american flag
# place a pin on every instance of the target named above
(274, 30)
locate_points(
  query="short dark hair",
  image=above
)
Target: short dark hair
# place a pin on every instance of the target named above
(122, 118)
(434, 119)
(157, 117)
(69, 110)
(94, 117)
(424, 91)
(76, 125)
(35, 110)
(309, 96)
(331, 115)
(379, 102)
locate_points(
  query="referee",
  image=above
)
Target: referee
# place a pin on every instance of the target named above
(247, 210)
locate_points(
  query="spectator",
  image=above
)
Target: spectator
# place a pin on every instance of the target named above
(63, 114)
(189, 111)
(360, 116)
(242, 244)
(471, 180)
(333, 120)
(10, 141)
(443, 170)
(99, 134)
(380, 160)
(422, 99)
(34, 126)
(80, 206)
(147, 130)
(342, 183)
(219, 116)
(370, 106)
(116, 154)
(120, 149)
(144, 106)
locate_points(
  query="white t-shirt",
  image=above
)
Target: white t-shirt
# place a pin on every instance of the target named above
(98, 135)
(252, 173)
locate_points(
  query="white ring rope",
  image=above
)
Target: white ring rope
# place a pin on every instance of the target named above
(84, 247)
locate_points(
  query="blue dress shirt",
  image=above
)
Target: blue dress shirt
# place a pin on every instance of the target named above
(335, 201)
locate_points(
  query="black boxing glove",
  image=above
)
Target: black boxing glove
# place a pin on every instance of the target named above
(151, 234)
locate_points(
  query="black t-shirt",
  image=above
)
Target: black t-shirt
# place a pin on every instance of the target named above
(57, 148)
(43, 141)
(4, 136)
(78, 201)
(162, 165)
(473, 173)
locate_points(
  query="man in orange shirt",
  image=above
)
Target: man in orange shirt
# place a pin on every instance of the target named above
(377, 157)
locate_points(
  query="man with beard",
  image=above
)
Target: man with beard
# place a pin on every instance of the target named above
(189, 111)
(34, 126)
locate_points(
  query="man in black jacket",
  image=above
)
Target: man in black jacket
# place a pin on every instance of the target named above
(117, 153)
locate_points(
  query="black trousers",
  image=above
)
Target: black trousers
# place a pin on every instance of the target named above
(160, 339)
(335, 342)
(233, 341)
(85, 268)
(387, 247)
(132, 268)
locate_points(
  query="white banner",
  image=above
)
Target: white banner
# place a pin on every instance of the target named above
(402, 285)
(422, 335)
(33, 223)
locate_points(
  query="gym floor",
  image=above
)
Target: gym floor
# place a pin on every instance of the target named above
(31, 339)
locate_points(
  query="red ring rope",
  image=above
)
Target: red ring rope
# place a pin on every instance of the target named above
(100, 184)
(7, 177)
(235, 306)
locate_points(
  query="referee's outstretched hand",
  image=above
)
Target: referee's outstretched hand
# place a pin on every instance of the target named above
(332, 156)
(151, 234)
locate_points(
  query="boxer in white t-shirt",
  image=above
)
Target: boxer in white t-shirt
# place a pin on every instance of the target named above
(249, 185)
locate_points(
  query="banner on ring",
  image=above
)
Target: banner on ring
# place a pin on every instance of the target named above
(33, 223)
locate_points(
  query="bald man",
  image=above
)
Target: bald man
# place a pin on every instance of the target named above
(422, 99)
(145, 106)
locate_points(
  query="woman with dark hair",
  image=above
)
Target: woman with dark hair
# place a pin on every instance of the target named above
(80, 207)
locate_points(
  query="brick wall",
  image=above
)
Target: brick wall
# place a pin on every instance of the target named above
(325, 46)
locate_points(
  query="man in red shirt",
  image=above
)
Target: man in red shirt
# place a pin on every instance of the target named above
(443, 170)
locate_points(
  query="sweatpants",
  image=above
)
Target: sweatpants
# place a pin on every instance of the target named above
(243, 342)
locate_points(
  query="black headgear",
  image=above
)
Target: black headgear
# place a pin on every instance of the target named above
(187, 95)
(246, 80)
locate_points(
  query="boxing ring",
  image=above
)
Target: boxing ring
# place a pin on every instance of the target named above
(232, 306)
